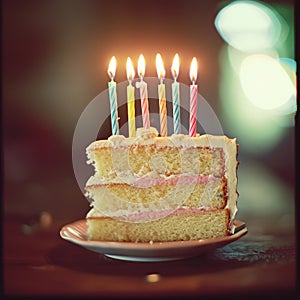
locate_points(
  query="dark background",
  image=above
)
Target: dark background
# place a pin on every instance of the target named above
(54, 60)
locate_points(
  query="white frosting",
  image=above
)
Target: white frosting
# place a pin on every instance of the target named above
(146, 136)
(117, 140)
(147, 133)
(141, 217)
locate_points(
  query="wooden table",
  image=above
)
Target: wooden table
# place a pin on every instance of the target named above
(37, 262)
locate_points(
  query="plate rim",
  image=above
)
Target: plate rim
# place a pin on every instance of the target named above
(140, 246)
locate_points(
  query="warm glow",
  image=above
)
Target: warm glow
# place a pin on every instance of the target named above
(129, 69)
(175, 66)
(193, 70)
(112, 68)
(141, 66)
(161, 72)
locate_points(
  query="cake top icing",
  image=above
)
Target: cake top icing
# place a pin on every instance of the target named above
(150, 136)
(146, 133)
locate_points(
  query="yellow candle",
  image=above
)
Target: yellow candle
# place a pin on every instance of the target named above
(162, 108)
(130, 98)
(162, 95)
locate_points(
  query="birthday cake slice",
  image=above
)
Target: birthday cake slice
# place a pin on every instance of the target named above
(150, 188)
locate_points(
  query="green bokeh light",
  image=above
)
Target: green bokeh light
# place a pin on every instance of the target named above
(261, 124)
(256, 128)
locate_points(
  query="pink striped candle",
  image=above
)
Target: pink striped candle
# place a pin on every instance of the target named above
(193, 98)
(161, 73)
(142, 85)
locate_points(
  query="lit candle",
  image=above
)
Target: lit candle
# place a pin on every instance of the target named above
(161, 73)
(193, 98)
(142, 85)
(176, 94)
(112, 88)
(130, 98)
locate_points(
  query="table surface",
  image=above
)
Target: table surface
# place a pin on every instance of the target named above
(37, 262)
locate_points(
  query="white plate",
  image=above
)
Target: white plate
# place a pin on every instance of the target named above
(157, 251)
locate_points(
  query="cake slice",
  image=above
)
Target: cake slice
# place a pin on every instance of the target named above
(152, 188)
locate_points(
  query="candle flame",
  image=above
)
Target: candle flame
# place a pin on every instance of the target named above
(129, 69)
(112, 68)
(141, 66)
(161, 72)
(193, 70)
(175, 66)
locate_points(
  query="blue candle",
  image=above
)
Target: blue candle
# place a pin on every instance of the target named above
(176, 94)
(112, 89)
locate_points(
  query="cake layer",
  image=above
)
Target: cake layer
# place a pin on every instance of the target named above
(176, 154)
(120, 198)
(173, 227)
(167, 160)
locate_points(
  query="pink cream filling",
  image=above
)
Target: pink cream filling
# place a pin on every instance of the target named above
(148, 216)
(145, 182)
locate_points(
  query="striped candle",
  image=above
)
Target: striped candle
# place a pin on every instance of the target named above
(193, 99)
(130, 110)
(112, 89)
(162, 96)
(176, 105)
(162, 109)
(142, 85)
(130, 98)
(193, 109)
(144, 103)
(176, 95)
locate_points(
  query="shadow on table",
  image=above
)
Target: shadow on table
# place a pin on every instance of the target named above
(245, 252)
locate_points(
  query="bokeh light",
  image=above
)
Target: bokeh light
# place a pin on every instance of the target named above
(258, 73)
(241, 117)
(265, 82)
(248, 26)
